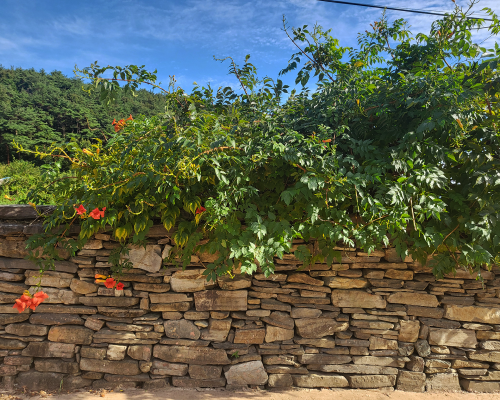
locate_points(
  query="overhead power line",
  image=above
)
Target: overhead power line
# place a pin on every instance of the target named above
(395, 9)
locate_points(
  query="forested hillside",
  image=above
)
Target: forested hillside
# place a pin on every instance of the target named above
(38, 108)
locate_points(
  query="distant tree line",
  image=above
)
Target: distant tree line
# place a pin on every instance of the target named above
(39, 108)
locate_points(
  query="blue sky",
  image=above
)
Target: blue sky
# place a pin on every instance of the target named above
(180, 37)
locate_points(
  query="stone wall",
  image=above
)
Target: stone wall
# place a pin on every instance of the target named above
(373, 321)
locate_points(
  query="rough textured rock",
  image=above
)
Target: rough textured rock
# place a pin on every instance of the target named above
(205, 372)
(452, 337)
(169, 369)
(414, 299)
(190, 281)
(218, 300)
(371, 381)
(82, 287)
(250, 336)
(181, 329)
(274, 333)
(70, 334)
(443, 382)
(26, 330)
(320, 381)
(191, 355)
(217, 330)
(48, 349)
(411, 381)
(357, 298)
(280, 381)
(148, 259)
(34, 380)
(249, 373)
(318, 327)
(126, 367)
(409, 331)
(487, 315)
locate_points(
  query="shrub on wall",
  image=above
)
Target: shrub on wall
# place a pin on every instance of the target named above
(396, 140)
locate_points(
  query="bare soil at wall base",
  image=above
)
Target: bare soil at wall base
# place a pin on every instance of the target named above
(212, 394)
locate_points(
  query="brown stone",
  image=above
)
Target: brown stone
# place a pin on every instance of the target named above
(168, 298)
(302, 300)
(52, 365)
(442, 382)
(337, 282)
(205, 372)
(217, 330)
(409, 331)
(82, 287)
(280, 381)
(184, 381)
(304, 278)
(324, 359)
(122, 312)
(485, 355)
(377, 343)
(305, 313)
(380, 361)
(274, 333)
(49, 349)
(414, 299)
(147, 258)
(250, 336)
(279, 319)
(371, 381)
(116, 352)
(411, 381)
(183, 306)
(181, 329)
(70, 334)
(59, 309)
(34, 380)
(319, 327)
(404, 275)
(480, 387)
(191, 280)
(235, 283)
(191, 355)
(486, 315)
(97, 353)
(452, 337)
(425, 312)
(357, 298)
(140, 352)
(167, 368)
(320, 380)
(55, 319)
(416, 364)
(328, 343)
(26, 330)
(151, 287)
(6, 319)
(9, 287)
(11, 344)
(109, 301)
(248, 373)
(218, 300)
(271, 304)
(126, 367)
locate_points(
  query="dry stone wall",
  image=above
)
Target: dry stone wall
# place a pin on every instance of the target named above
(371, 321)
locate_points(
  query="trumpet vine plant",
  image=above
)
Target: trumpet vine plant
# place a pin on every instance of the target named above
(393, 142)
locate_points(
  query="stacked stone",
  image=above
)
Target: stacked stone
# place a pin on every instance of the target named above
(371, 321)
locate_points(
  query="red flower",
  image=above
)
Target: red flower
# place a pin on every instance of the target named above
(27, 301)
(81, 210)
(96, 214)
(129, 118)
(119, 286)
(200, 209)
(110, 283)
(19, 306)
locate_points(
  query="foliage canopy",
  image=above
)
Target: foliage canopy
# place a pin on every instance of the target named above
(397, 141)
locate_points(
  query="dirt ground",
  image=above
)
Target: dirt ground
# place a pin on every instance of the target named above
(212, 394)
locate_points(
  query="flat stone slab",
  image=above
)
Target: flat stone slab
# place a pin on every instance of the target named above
(191, 355)
(219, 300)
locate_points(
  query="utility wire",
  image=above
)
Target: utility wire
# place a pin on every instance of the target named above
(395, 9)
